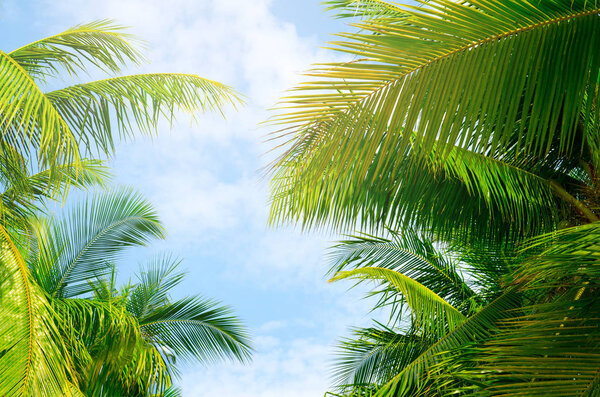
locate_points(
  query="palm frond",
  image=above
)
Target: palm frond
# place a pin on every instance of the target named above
(29, 120)
(374, 355)
(155, 281)
(346, 132)
(407, 253)
(414, 378)
(98, 110)
(25, 198)
(549, 349)
(464, 194)
(116, 358)
(573, 253)
(82, 245)
(33, 358)
(197, 329)
(100, 43)
(428, 309)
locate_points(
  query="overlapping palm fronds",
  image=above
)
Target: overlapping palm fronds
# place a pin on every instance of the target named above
(461, 94)
(59, 126)
(405, 357)
(476, 124)
(66, 328)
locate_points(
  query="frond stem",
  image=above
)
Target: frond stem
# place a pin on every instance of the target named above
(566, 196)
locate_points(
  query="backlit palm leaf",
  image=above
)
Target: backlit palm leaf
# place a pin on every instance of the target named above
(409, 254)
(415, 378)
(197, 329)
(449, 74)
(60, 125)
(101, 43)
(428, 309)
(33, 360)
(100, 111)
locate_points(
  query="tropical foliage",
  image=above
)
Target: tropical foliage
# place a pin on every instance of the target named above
(67, 330)
(61, 125)
(65, 327)
(469, 128)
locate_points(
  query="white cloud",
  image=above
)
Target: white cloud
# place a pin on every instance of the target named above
(296, 369)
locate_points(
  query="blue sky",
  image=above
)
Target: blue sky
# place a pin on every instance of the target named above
(205, 182)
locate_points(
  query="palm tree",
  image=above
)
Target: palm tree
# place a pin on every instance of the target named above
(54, 342)
(476, 124)
(67, 330)
(59, 126)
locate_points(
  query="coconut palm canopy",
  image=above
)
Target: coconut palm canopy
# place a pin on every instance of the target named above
(470, 127)
(457, 142)
(66, 329)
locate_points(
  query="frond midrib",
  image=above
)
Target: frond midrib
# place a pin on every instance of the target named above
(464, 48)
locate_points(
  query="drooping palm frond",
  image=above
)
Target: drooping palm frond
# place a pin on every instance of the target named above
(82, 245)
(58, 126)
(34, 360)
(100, 111)
(100, 43)
(415, 379)
(29, 120)
(464, 194)
(347, 130)
(407, 253)
(374, 355)
(429, 311)
(197, 329)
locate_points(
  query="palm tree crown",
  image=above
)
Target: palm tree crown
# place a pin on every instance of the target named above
(475, 124)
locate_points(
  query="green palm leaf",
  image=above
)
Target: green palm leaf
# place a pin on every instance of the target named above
(414, 378)
(197, 329)
(374, 355)
(551, 349)
(99, 43)
(29, 119)
(99, 109)
(347, 132)
(34, 360)
(409, 254)
(156, 280)
(114, 359)
(81, 246)
(428, 309)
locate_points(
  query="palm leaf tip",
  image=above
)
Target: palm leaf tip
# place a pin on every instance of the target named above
(102, 44)
(197, 329)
